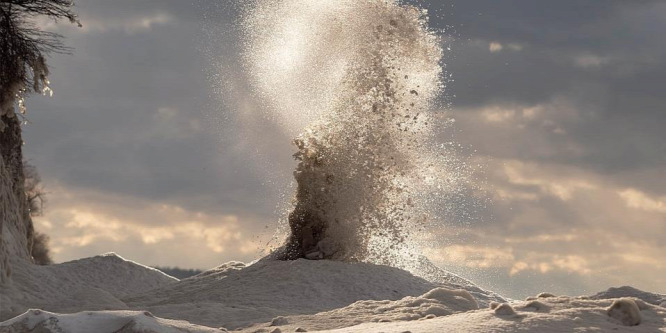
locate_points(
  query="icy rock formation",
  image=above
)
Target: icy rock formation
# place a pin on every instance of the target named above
(16, 229)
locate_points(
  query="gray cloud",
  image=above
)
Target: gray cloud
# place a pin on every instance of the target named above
(603, 60)
(132, 113)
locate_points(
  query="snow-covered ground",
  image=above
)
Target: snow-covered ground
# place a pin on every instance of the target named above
(96, 283)
(558, 314)
(100, 321)
(293, 296)
(234, 296)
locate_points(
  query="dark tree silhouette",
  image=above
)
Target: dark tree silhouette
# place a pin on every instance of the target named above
(36, 196)
(40, 251)
(34, 191)
(23, 46)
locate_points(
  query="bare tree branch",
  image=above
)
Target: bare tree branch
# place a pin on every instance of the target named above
(24, 47)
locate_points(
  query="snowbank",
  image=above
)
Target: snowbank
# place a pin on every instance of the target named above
(294, 296)
(425, 269)
(96, 283)
(435, 303)
(439, 310)
(553, 314)
(627, 291)
(234, 296)
(98, 322)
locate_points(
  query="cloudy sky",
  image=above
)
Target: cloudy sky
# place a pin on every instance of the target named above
(143, 151)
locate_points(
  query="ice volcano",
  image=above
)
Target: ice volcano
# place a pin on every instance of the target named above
(359, 80)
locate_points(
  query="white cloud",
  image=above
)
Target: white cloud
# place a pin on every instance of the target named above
(472, 256)
(130, 24)
(515, 47)
(545, 264)
(590, 61)
(550, 115)
(520, 173)
(639, 200)
(498, 115)
(83, 221)
(92, 225)
(495, 47)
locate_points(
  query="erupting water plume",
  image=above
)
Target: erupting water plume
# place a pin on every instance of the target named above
(358, 80)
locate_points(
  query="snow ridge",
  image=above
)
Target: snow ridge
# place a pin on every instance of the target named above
(100, 322)
(96, 283)
(235, 296)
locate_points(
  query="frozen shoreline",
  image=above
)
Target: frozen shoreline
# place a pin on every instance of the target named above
(272, 296)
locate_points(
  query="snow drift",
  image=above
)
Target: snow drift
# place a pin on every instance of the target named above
(97, 283)
(554, 314)
(234, 296)
(98, 322)
(283, 296)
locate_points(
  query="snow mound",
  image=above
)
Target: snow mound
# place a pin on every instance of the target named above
(627, 291)
(425, 269)
(301, 295)
(118, 276)
(98, 322)
(234, 296)
(625, 311)
(222, 270)
(535, 306)
(504, 309)
(435, 303)
(554, 314)
(97, 283)
(545, 295)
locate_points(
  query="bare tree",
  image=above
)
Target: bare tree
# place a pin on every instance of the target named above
(40, 252)
(36, 196)
(23, 46)
(34, 191)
